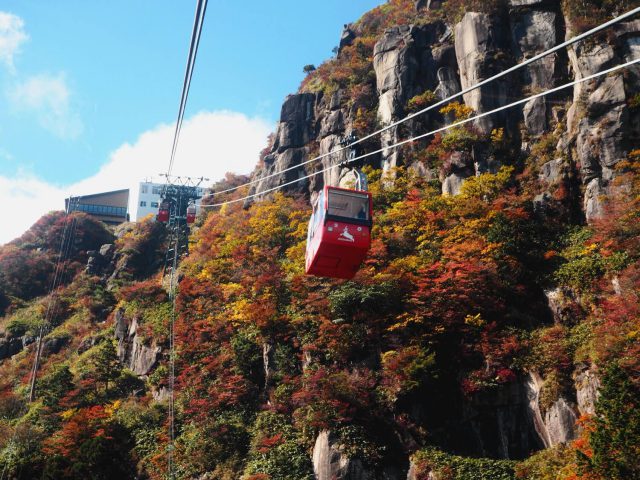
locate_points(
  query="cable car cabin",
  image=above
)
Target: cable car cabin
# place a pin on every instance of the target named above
(191, 213)
(339, 234)
(163, 212)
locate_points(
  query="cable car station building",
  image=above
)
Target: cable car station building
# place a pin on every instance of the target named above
(149, 198)
(108, 207)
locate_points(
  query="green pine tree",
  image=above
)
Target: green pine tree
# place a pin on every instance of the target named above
(616, 439)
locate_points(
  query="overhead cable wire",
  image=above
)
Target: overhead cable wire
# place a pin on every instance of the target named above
(201, 8)
(198, 21)
(57, 276)
(440, 103)
(432, 132)
(52, 286)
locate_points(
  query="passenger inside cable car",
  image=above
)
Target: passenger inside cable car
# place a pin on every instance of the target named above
(339, 233)
(191, 213)
(163, 212)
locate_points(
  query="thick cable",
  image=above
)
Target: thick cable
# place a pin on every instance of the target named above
(201, 8)
(560, 46)
(58, 272)
(198, 21)
(433, 132)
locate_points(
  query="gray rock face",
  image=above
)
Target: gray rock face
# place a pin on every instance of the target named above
(296, 122)
(559, 301)
(161, 395)
(132, 352)
(534, 31)
(479, 41)
(410, 59)
(599, 122)
(395, 67)
(535, 116)
(587, 385)
(498, 424)
(452, 184)
(9, 347)
(101, 262)
(541, 202)
(295, 129)
(346, 38)
(332, 124)
(404, 66)
(460, 165)
(53, 345)
(559, 422)
(533, 385)
(448, 85)
(328, 144)
(107, 250)
(86, 344)
(329, 463)
(279, 162)
(552, 172)
(268, 363)
(593, 199)
(525, 3)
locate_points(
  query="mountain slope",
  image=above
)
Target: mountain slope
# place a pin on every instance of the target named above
(490, 334)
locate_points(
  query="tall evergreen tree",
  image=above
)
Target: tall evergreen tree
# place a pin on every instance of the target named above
(616, 438)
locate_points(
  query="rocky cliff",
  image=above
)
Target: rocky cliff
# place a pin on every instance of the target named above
(491, 333)
(592, 125)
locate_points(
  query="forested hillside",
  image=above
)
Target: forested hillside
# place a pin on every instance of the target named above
(492, 332)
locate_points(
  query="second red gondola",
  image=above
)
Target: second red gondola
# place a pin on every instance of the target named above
(163, 212)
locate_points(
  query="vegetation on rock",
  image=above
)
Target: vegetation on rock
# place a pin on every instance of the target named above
(447, 317)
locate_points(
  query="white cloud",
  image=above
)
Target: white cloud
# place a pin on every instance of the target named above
(25, 199)
(48, 97)
(211, 144)
(12, 36)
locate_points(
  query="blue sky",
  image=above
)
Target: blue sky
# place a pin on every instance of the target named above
(89, 90)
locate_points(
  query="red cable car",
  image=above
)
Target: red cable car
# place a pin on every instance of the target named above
(163, 212)
(191, 212)
(339, 233)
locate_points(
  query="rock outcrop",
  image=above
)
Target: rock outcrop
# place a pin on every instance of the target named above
(9, 346)
(408, 60)
(132, 351)
(558, 423)
(598, 120)
(330, 463)
(498, 424)
(404, 65)
(296, 129)
(481, 41)
(587, 383)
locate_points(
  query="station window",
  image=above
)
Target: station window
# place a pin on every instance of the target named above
(154, 204)
(143, 204)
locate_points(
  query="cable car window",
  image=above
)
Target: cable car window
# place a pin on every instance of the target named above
(348, 204)
(316, 216)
